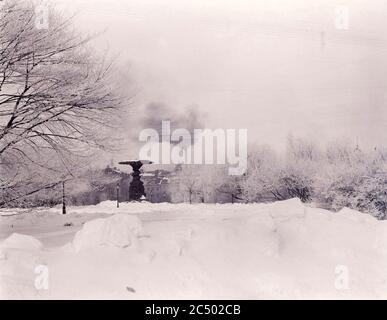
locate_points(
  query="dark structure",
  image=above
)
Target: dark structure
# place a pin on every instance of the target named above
(136, 188)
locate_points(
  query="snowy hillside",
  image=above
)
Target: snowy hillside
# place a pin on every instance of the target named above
(172, 251)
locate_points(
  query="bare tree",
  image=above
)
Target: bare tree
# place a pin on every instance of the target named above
(56, 96)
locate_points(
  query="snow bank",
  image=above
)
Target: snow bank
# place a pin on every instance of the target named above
(119, 230)
(20, 241)
(20, 255)
(204, 251)
(262, 229)
(356, 216)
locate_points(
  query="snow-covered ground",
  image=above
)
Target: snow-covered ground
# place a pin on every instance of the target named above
(181, 251)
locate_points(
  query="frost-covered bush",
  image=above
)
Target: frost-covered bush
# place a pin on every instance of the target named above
(364, 193)
(296, 184)
(262, 179)
(302, 160)
(353, 179)
(341, 175)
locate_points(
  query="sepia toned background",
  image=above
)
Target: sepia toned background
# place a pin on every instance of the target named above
(273, 67)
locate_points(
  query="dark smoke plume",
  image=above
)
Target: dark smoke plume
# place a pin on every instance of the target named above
(155, 112)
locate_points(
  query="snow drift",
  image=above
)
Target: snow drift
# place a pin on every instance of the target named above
(119, 230)
(253, 251)
(20, 241)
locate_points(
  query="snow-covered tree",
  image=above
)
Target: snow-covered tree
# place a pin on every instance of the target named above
(185, 186)
(57, 98)
(262, 179)
(197, 183)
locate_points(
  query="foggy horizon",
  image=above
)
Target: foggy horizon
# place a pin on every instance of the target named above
(274, 69)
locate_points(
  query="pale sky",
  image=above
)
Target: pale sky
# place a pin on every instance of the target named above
(273, 67)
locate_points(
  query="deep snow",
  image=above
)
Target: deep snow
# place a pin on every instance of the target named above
(173, 251)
